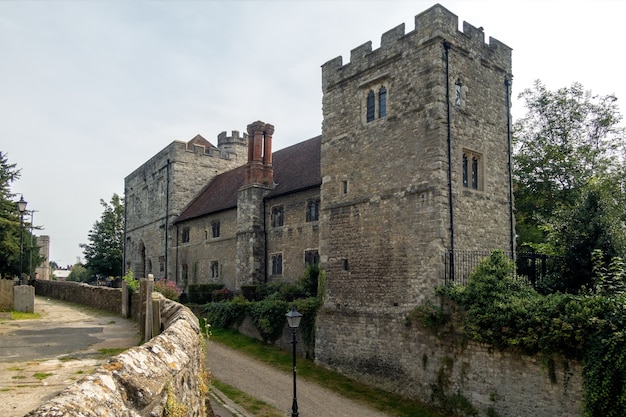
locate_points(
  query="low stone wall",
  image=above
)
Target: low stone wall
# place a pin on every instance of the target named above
(382, 350)
(102, 298)
(6, 294)
(164, 376)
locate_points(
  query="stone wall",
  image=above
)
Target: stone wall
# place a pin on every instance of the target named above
(102, 298)
(6, 294)
(165, 374)
(414, 363)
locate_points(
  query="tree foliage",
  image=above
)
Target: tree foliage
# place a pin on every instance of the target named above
(104, 252)
(569, 177)
(79, 273)
(9, 220)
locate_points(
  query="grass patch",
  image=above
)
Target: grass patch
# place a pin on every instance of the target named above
(18, 377)
(15, 368)
(389, 403)
(42, 375)
(257, 407)
(19, 315)
(106, 352)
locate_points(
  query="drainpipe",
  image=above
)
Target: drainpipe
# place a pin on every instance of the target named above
(124, 243)
(446, 47)
(167, 216)
(176, 262)
(507, 84)
(266, 277)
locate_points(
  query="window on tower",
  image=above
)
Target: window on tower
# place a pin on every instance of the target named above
(382, 102)
(371, 106)
(472, 170)
(375, 99)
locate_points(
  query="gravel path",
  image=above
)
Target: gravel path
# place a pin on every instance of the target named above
(276, 388)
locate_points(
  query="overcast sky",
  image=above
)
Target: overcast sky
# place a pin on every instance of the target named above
(89, 90)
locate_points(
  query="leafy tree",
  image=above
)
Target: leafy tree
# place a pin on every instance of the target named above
(9, 220)
(569, 176)
(103, 255)
(79, 274)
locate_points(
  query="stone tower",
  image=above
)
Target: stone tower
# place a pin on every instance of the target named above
(414, 164)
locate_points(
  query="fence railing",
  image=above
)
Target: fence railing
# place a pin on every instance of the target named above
(532, 266)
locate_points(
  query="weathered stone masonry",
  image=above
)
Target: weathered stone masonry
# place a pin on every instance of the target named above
(139, 381)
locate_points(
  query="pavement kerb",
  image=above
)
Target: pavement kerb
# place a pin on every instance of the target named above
(228, 404)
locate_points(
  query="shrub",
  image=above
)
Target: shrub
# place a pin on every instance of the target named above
(168, 288)
(221, 295)
(225, 314)
(131, 283)
(201, 293)
(502, 311)
(269, 318)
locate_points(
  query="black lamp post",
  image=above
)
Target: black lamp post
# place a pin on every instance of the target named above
(293, 319)
(21, 207)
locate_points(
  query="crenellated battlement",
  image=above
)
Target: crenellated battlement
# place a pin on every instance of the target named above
(236, 143)
(430, 25)
(235, 137)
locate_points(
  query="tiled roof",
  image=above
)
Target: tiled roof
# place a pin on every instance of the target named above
(296, 168)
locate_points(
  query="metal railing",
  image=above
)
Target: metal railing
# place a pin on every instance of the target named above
(534, 267)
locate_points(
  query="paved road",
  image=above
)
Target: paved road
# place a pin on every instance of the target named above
(276, 387)
(41, 357)
(64, 345)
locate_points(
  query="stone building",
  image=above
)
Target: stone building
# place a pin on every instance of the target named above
(256, 223)
(158, 191)
(413, 165)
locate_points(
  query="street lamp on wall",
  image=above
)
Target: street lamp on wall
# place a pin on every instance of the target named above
(21, 207)
(293, 319)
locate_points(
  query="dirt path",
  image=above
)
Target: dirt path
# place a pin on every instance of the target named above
(276, 388)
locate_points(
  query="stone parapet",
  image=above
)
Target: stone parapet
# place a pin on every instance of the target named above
(164, 375)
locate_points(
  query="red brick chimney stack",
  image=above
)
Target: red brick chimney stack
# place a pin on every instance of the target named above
(259, 168)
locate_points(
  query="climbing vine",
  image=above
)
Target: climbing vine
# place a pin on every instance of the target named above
(506, 312)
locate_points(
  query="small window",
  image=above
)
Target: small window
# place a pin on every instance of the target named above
(313, 211)
(311, 257)
(472, 170)
(371, 106)
(375, 102)
(278, 216)
(382, 102)
(215, 269)
(345, 265)
(215, 228)
(475, 173)
(344, 187)
(185, 236)
(185, 273)
(277, 264)
(465, 173)
(161, 263)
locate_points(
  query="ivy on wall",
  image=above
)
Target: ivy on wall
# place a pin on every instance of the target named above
(504, 311)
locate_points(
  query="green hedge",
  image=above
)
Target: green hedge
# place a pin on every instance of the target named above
(201, 293)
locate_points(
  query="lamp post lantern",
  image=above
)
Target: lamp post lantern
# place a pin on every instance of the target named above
(293, 319)
(21, 207)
